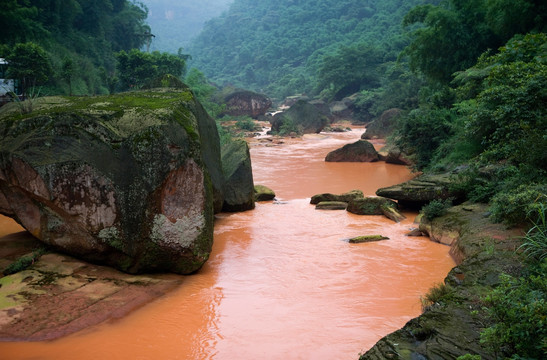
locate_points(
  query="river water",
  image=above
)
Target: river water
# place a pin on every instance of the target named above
(281, 282)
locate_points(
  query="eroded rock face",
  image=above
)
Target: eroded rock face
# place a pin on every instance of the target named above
(126, 180)
(359, 151)
(241, 103)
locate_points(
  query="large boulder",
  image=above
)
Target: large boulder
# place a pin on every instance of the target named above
(421, 190)
(382, 126)
(126, 180)
(246, 103)
(303, 115)
(239, 185)
(359, 151)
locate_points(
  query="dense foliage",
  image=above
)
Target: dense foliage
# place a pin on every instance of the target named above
(79, 37)
(286, 47)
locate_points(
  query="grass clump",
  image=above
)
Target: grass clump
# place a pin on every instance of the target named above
(24, 262)
(435, 295)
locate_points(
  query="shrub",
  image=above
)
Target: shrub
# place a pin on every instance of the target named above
(513, 207)
(519, 308)
(436, 208)
(246, 124)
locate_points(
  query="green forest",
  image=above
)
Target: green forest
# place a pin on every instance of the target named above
(469, 76)
(80, 47)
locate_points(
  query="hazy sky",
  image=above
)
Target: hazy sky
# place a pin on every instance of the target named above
(176, 22)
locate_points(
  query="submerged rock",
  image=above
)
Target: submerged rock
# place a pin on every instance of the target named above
(127, 180)
(239, 186)
(263, 193)
(359, 151)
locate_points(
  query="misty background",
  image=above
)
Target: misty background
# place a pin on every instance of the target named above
(175, 23)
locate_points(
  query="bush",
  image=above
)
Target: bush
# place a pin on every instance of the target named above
(519, 308)
(436, 208)
(513, 207)
(246, 124)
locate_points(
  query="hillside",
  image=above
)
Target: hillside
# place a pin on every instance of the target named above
(279, 46)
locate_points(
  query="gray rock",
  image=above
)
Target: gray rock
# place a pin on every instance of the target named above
(238, 174)
(359, 151)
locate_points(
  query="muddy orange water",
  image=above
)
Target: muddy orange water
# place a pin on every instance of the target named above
(281, 282)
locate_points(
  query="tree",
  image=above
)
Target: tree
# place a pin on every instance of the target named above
(136, 68)
(68, 72)
(29, 63)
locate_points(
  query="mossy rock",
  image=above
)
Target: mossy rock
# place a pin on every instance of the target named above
(238, 174)
(423, 189)
(263, 193)
(127, 180)
(346, 197)
(367, 239)
(370, 205)
(359, 151)
(331, 205)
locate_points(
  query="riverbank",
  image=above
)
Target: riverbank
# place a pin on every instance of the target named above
(454, 317)
(59, 295)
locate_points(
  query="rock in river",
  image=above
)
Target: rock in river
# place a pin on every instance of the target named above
(126, 180)
(239, 186)
(359, 151)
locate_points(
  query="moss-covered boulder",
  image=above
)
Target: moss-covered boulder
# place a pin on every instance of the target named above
(126, 180)
(375, 206)
(421, 190)
(263, 193)
(359, 151)
(239, 186)
(367, 238)
(303, 116)
(331, 205)
(346, 197)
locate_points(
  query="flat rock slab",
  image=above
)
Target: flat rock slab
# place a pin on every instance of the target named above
(59, 295)
(331, 205)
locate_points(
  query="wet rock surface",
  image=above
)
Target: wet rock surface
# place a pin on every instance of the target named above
(58, 295)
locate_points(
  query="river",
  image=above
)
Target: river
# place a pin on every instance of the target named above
(281, 282)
